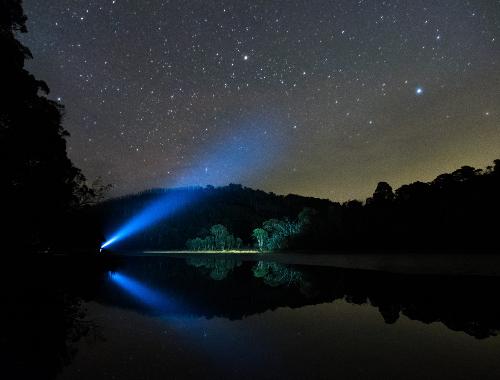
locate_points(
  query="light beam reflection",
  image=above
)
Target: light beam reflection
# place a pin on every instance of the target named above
(152, 298)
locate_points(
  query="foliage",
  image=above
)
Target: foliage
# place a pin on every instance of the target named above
(456, 210)
(219, 239)
(261, 236)
(275, 274)
(277, 233)
(217, 268)
(39, 180)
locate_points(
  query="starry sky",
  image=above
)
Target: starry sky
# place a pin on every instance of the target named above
(320, 98)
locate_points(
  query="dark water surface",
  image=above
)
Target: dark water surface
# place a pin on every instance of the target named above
(158, 317)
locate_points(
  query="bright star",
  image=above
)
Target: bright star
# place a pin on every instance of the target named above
(419, 91)
(245, 57)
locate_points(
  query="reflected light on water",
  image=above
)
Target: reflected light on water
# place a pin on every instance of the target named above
(150, 297)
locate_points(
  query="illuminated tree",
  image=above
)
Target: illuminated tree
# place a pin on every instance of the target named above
(219, 233)
(280, 231)
(218, 239)
(261, 236)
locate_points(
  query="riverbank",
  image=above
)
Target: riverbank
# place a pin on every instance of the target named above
(482, 264)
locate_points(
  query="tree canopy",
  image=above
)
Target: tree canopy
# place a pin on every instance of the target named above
(219, 239)
(454, 211)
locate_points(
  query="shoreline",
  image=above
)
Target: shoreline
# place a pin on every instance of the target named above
(467, 264)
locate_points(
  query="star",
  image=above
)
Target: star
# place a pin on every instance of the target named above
(174, 91)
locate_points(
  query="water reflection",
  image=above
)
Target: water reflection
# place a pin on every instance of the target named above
(158, 301)
(232, 289)
(43, 314)
(217, 268)
(200, 315)
(276, 274)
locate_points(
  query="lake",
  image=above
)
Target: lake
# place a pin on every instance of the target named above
(218, 317)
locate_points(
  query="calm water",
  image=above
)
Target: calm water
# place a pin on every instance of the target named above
(156, 318)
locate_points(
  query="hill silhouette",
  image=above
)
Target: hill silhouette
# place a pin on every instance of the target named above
(224, 288)
(454, 211)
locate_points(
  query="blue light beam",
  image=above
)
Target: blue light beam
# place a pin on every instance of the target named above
(157, 210)
(152, 298)
(241, 156)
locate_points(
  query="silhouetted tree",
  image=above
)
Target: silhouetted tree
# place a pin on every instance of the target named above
(465, 173)
(417, 191)
(496, 167)
(457, 210)
(383, 193)
(38, 181)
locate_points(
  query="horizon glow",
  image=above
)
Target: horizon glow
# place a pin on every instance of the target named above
(149, 106)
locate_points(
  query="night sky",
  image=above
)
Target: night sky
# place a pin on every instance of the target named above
(320, 98)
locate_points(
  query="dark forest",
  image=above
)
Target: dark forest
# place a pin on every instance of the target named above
(454, 211)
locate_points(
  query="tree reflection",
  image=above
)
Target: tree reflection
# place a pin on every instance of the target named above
(240, 289)
(43, 317)
(218, 269)
(275, 274)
